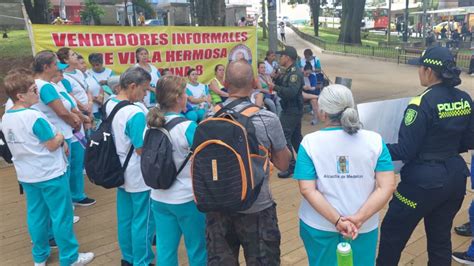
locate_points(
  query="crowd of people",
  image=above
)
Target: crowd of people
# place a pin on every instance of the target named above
(345, 173)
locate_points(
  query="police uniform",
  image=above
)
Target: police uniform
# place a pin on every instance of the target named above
(289, 86)
(437, 126)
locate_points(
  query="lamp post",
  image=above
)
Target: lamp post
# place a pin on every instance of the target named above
(405, 27)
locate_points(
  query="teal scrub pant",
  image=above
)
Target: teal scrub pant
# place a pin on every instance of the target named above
(174, 220)
(135, 227)
(45, 201)
(67, 176)
(195, 115)
(76, 180)
(321, 246)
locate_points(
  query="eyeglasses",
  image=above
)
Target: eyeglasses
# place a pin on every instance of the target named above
(33, 88)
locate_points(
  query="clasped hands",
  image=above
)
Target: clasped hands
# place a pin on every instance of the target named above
(349, 226)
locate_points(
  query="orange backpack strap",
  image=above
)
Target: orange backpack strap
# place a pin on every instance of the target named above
(217, 108)
(249, 111)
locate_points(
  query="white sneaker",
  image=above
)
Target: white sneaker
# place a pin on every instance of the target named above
(83, 259)
(75, 219)
(40, 263)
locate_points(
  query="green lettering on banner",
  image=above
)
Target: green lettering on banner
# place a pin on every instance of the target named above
(410, 116)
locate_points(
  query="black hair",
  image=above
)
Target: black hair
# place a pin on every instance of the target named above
(190, 71)
(138, 51)
(216, 67)
(308, 66)
(96, 58)
(449, 75)
(260, 63)
(308, 52)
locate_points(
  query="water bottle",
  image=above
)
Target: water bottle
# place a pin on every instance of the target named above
(344, 254)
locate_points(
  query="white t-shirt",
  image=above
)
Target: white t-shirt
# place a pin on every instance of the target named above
(25, 131)
(197, 91)
(150, 99)
(269, 68)
(9, 104)
(128, 127)
(49, 92)
(79, 85)
(93, 80)
(95, 88)
(181, 191)
(344, 168)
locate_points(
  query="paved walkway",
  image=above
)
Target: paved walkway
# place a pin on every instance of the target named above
(96, 231)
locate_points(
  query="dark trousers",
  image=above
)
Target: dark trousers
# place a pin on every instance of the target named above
(471, 65)
(433, 191)
(291, 124)
(258, 234)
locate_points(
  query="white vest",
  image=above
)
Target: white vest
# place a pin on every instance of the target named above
(33, 161)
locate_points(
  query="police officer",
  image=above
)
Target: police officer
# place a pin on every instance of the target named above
(289, 86)
(438, 125)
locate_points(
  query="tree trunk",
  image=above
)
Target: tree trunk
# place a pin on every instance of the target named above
(204, 9)
(264, 19)
(315, 7)
(38, 11)
(192, 10)
(352, 14)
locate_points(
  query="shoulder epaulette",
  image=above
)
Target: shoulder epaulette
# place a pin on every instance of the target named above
(417, 100)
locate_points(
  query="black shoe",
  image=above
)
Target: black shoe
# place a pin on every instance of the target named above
(463, 258)
(125, 263)
(85, 202)
(52, 243)
(285, 174)
(463, 230)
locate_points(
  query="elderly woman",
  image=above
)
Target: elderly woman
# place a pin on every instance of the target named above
(135, 223)
(346, 176)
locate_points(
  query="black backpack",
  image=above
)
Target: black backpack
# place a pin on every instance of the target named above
(157, 164)
(102, 162)
(4, 150)
(229, 165)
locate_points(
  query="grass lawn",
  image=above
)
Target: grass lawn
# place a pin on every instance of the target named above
(16, 45)
(15, 51)
(262, 45)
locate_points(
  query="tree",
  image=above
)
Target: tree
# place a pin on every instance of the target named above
(352, 14)
(315, 7)
(143, 5)
(37, 11)
(204, 9)
(264, 19)
(91, 13)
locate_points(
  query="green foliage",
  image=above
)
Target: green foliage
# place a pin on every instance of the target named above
(92, 12)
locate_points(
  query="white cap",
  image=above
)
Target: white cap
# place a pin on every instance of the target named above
(344, 247)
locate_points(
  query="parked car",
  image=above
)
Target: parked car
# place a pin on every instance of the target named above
(453, 25)
(154, 22)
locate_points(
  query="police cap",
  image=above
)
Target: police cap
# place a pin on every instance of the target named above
(289, 51)
(437, 58)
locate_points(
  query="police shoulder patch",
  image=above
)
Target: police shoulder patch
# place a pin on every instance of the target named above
(410, 116)
(293, 78)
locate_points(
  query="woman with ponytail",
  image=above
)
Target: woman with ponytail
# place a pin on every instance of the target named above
(174, 209)
(438, 125)
(345, 175)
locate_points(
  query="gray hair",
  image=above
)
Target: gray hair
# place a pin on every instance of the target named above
(336, 100)
(135, 75)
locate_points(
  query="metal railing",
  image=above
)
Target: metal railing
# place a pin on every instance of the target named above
(400, 54)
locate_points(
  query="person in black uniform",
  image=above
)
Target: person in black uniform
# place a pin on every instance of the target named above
(289, 86)
(437, 126)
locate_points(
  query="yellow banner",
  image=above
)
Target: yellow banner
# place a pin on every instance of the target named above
(176, 48)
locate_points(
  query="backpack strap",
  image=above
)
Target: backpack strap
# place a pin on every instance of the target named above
(109, 118)
(250, 110)
(230, 106)
(119, 106)
(174, 122)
